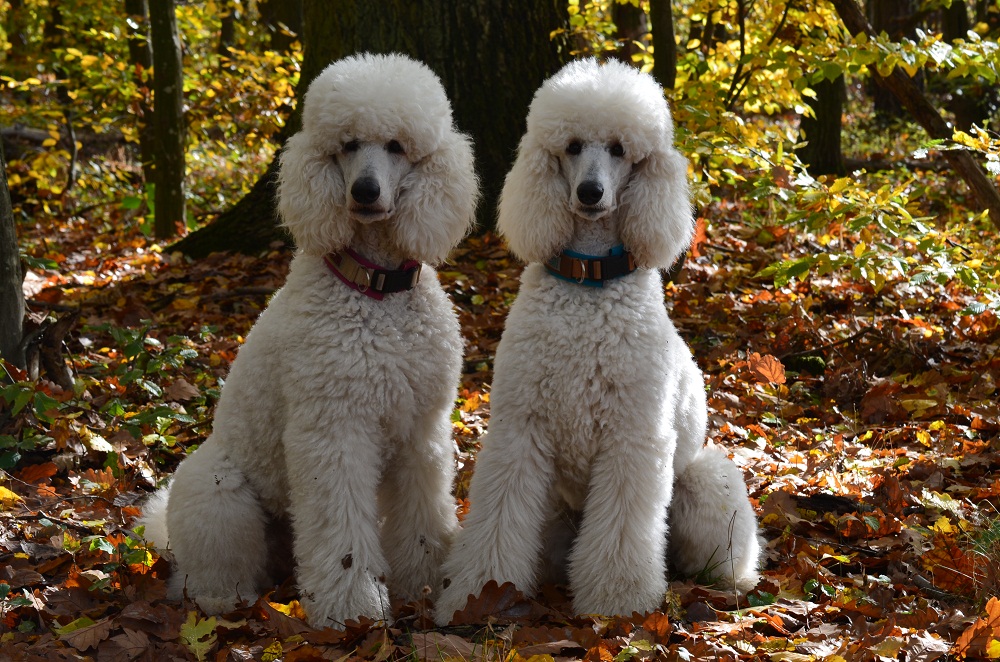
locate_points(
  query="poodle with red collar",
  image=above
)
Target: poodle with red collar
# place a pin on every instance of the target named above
(335, 416)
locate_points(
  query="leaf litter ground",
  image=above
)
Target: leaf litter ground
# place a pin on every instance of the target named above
(866, 424)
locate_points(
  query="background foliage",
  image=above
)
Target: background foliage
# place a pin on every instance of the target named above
(847, 327)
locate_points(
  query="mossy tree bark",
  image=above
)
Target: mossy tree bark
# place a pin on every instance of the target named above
(11, 296)
(168, 118)
(491, 57)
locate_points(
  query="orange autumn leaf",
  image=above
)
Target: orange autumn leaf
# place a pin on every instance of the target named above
(700, 237)
(973, 642)
(766, 368)
(38, 472)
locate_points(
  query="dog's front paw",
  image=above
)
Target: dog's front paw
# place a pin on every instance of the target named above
(622, 602)
(453, 597)
(363, 597)
(616, 591)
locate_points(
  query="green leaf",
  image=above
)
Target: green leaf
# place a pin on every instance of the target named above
(198, 635)
(761, 599)
(99, 543)
(45, 404)
(22, 399)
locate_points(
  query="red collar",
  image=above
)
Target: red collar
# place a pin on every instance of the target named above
(370, 279)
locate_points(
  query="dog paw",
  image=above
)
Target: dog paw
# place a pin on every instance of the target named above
(334, 609)
(621, 595)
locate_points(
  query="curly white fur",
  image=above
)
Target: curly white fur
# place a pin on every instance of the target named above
(597, 406)
(335, 415)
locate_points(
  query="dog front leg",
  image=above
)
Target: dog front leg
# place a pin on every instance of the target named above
(502, 535)
(415, 498)
(618, 563)
(333, 476)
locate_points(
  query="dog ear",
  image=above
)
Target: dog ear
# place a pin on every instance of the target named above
(658, 222)
(437, 205)
(534, 212)
(312, 200)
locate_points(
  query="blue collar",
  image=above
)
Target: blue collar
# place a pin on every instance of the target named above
(591, 270)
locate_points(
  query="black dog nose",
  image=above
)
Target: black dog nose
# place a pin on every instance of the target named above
(366, 190)
(590, 192)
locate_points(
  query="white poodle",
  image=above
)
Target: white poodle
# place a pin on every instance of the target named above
(598, 411)
(335, 416)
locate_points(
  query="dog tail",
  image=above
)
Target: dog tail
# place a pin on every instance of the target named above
(154, 518)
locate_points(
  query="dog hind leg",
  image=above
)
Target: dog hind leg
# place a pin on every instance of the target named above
(713, 528)
(217, 532)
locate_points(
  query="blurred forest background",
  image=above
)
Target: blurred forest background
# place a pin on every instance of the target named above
(841, 297)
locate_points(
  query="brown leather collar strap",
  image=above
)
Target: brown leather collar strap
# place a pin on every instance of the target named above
(591, 270)
(370, 279)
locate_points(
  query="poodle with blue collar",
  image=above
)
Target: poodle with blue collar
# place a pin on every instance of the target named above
(598, 411)
(335, 419)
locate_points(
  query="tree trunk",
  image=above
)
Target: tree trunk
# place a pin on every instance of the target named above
(971, 101)
(281, 18)
(630, 22)
(142, 61)
(16, 25)
(955, 22)
(168, 116)
(490, 56)
(661, 19)
(11, 296)
(895, 18)
(227, 31)
(983, 187)
(822, 153)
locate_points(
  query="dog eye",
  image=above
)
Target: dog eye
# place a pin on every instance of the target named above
(351, 146)
(574, 148)
(393, 147)
(617, 150)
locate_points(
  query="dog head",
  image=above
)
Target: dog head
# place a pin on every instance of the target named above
(599, 142)
(377, 145)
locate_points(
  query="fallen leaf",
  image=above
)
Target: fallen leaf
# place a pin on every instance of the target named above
(84, 634)
(180, 391)
(766, 368)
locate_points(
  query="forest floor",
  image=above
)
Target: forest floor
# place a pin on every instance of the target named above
(865, 423)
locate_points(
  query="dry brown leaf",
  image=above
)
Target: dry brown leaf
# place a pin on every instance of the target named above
(766, 368)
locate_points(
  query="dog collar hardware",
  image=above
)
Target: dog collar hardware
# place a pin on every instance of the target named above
(591, 270)
(370, 279)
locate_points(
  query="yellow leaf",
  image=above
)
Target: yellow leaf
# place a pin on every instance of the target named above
(88, 60)
(272, 652)
(293, 609)
(840, 185)
(993, 649)
(860, 249)
(942, 525)
(8, 498)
